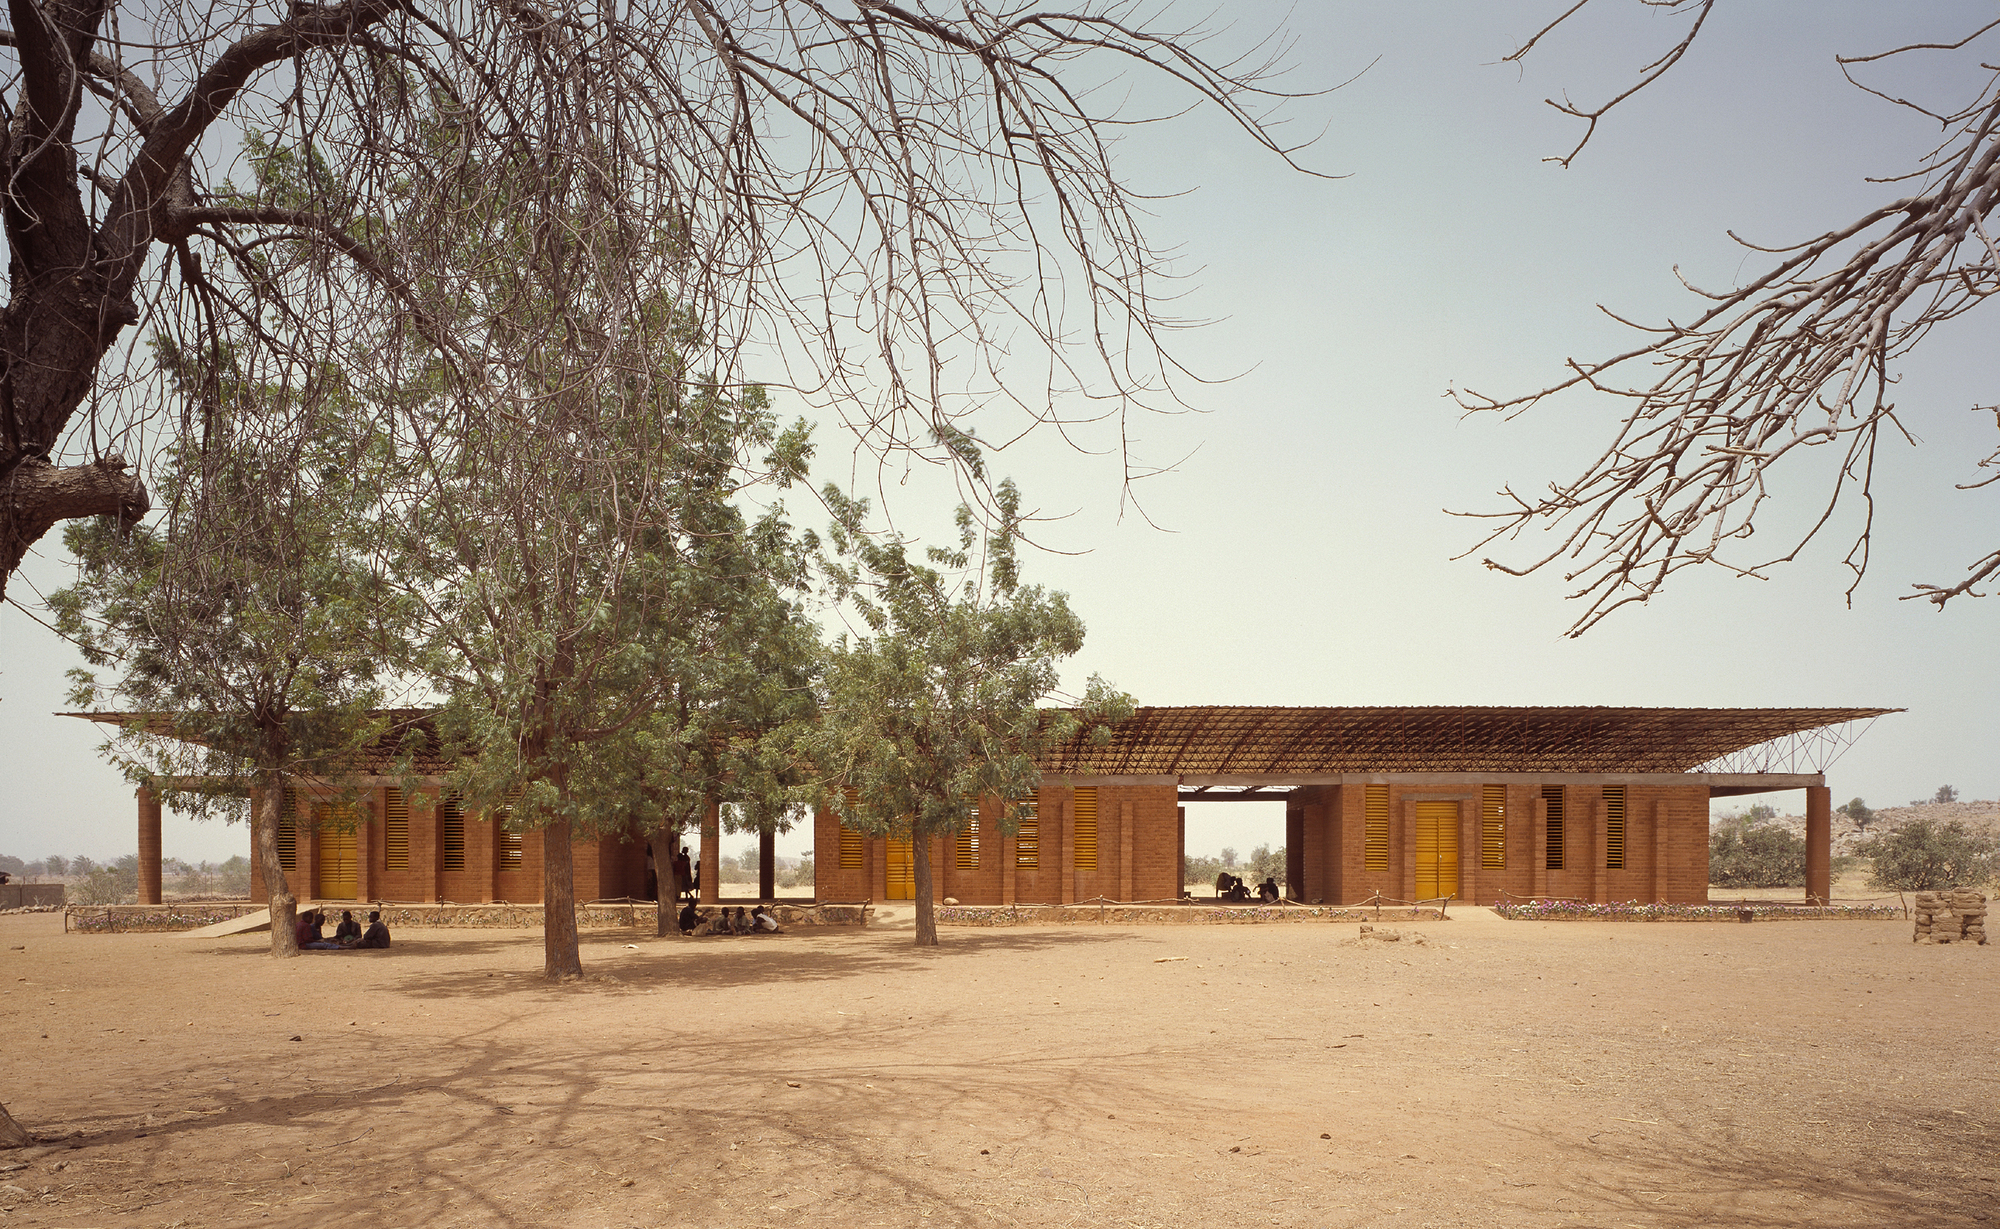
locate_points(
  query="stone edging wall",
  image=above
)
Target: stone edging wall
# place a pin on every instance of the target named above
(1170, 915)
(155, 919)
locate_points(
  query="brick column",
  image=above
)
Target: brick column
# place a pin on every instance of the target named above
(1125, 851)
(149, 846)
(1659, 849)
(1819, 843)
(364, 848)
(1295, 855)
(1538, 853)
(711, 854)
(1010, 858)
(1180, 850)
(1468, 850)
(1600, 841)
(1404, 859)
(1066, 848)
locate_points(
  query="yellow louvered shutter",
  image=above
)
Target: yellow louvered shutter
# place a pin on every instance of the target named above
(1614, 827)
(1553, 796)
(451, 831)
(968, 845)
(395, 830)
(1028, 836)
(1375, 849)
(1086, 828)
(1493, 828)
(288, 832)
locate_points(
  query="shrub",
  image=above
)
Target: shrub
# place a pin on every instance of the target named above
(1749, 854)
(1922, 856)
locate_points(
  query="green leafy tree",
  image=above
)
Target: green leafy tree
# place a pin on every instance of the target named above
(935, 705)
(1923, 856)
(1858, 811)
(1748, 853)
(1945, 793)
(58, 865)
(1267, 863)
(240, 624)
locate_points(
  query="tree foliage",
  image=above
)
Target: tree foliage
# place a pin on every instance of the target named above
(238, 631)
(933, 704)
(1925, 856)
(1793, 370)
(894, 199)
(1749, 853)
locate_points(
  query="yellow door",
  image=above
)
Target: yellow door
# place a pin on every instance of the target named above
(336, 863)
(1437, 850)
(902, 871)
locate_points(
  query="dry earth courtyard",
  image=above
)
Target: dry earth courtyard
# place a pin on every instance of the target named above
(1472, 1072)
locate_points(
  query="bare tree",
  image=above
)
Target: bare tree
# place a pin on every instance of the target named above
(885, 199)
(1794, 368)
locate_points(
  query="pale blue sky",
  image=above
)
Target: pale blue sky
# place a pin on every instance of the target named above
(1302, 555)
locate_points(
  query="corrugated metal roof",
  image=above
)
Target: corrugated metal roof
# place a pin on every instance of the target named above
(1234, 741)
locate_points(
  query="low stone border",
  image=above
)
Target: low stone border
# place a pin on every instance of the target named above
(153, 919)
(1633, 911)
(1172, 915)
(150, 919)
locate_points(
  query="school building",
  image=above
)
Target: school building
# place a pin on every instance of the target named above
(1472, 804)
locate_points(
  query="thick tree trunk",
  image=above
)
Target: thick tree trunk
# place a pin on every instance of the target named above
(34, 495)
(11, 1134)
(560, 958)
(662, 841)
(264, 830)
(920, 863)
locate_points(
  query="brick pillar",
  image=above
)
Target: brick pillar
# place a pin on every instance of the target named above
(1066, 848)
(149, 846)
(711, 854)
(1600, 841)
(365, 845)
(1538, 859)
(1010, 858)
(1468, 850)
(1125, 851)
(1659, 877)
(767, 865)
(1404, 859)
(1295, 855)
(1180, 850)
(1819, 843)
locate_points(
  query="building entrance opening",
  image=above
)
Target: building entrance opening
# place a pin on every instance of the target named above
(1243, 839)
(1437, 850)
(902, 871)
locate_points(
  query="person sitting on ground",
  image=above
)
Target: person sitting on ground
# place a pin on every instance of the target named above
(1222, 881)
(1237, 891)
(311, 931)
(741, 923)
(377, 935)
(716, 923)
(764, 922)
(1267, 891)
(689, 919)
(349, 930)
(305, 932)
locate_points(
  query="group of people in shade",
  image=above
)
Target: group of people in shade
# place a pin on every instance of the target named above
(758, 921)
(346, 937)
(1229, 887)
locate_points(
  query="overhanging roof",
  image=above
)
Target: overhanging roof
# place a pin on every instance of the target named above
(1229, 741)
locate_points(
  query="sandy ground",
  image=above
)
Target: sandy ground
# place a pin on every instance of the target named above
(1491, 1074)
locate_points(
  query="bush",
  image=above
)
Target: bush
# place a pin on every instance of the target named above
(116, 884)
(1922, 856)
(1749, 854)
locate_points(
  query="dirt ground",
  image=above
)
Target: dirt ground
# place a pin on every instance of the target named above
(1476, 1072)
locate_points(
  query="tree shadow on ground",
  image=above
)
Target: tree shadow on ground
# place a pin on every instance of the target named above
(721, 962)
(1698, 1173)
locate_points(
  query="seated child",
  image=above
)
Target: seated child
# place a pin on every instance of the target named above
(377, 934)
